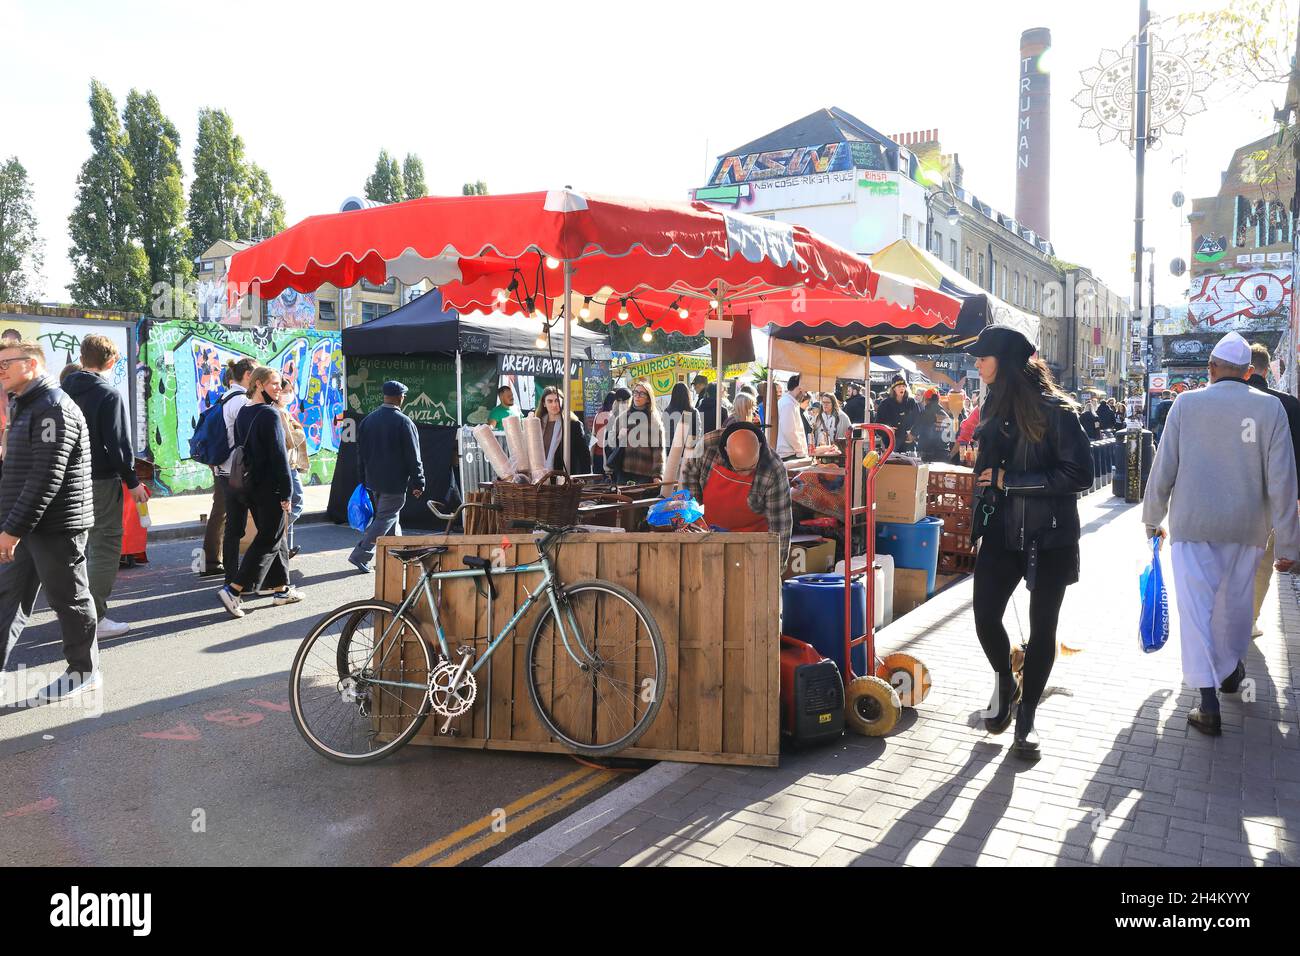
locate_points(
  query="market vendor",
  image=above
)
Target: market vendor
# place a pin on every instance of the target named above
(741, 482)
(506, 407)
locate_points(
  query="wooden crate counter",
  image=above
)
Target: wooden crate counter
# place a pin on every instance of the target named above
(715, 598)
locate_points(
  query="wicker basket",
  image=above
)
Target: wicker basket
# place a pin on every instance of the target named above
(545, 500)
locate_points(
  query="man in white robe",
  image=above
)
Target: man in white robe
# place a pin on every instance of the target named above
(1224, 474)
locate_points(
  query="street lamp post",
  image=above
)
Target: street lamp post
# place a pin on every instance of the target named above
(952, 214)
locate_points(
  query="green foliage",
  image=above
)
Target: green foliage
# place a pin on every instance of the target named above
(385, 184)
(478, 188)
(110, 270)
(229, 198)
(153, 148)
(21, 248)
(413, 177)
(628, 338)
(1247, 43)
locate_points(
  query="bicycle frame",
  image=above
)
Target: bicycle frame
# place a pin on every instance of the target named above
(548, 585)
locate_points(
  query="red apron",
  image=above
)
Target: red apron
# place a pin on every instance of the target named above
(726, 502)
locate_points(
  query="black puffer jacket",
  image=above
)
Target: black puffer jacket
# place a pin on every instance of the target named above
(45, 485)
(1042, 479)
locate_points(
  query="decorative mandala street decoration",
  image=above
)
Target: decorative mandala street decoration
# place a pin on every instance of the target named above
(1109, 98)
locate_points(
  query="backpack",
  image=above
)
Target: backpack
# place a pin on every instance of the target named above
(210, 445)
(241, 482)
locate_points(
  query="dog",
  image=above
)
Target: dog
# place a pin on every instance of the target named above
(1018, 655)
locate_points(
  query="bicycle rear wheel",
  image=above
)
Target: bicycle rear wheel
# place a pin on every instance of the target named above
(340, 686)
(601, 692)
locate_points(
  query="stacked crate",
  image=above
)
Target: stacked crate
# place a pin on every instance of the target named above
(951, 497)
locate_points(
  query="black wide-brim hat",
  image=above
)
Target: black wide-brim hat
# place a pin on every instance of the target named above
(1003, 342)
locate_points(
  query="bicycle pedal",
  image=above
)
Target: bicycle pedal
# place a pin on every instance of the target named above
(465, 650)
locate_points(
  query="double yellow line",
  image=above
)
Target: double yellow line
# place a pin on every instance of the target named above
(464, 844)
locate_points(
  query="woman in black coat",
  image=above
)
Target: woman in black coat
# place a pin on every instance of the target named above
(551, 413)
(683, 413)
(1033, 460)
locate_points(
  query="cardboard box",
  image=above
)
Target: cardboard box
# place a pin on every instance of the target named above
(900, 492)
(810, 558)
(909, 590)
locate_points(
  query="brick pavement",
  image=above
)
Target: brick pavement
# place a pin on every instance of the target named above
(1123, 779)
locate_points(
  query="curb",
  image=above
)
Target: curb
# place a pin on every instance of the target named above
(576, 827)
(195, 529)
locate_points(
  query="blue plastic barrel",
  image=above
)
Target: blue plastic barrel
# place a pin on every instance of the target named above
(812, 610)
(914, 546)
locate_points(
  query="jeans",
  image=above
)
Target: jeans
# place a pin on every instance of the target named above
(295, 504)
(104, 544)
(385, 522)
(58, 562)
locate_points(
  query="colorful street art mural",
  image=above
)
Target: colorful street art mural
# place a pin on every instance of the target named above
(184, 362)
(1240, 301)
(292, 310)
(62, 343)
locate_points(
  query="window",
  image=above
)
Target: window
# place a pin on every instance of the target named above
(1004, 282)
(968, 262)
(1015, 288)
(327, 311)
(920, 234)
(206, 265)
(938, 245)
(907, 226)
(373, 310)
(390, 287)
(981, 272)
(952, 252)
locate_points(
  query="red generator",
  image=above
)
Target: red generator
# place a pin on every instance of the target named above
(812, 694)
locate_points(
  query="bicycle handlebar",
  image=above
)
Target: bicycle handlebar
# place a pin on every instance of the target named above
(451, 518)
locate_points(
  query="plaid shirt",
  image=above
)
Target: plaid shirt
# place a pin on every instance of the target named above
(769, 495)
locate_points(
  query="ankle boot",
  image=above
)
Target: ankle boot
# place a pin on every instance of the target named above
(1006, 694)
(1026, 742)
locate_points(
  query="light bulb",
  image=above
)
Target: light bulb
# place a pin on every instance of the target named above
(683, 312)
(584, 313)
(622, 312)
(502, 296)
(541, 341)
(646, 336)
(552, 262)
(713, 303)
(539, 316)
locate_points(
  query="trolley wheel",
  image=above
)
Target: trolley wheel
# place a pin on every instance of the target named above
(871, 707)
(909, 677)
(1017, 658)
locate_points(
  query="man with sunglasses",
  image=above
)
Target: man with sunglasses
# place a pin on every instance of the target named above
(46, 512)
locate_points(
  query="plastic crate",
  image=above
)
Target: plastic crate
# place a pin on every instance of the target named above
(956, 482)
(949, 503)
(956, 521)
(951, 563)
(952, 542)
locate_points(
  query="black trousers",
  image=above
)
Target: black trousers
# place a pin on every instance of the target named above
(236, 525)
(266, 562)
(58, 563)
(998, 571)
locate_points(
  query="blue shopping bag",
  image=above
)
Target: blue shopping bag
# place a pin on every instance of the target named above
(1154, 624)
(360, 510)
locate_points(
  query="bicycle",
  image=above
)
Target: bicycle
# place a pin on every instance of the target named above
(596, 667)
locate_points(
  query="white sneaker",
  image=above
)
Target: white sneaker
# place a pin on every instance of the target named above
(291, 596)
(69, 685)
(231, 600)
(111, 628)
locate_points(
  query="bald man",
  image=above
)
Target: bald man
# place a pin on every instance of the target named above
(741, 483)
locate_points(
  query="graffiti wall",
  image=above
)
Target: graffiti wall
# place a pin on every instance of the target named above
(62, 343)
(292, 310)
(183, 364)
(1240, 301)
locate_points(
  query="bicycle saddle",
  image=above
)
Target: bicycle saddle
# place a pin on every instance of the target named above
(416, 553)
(471, 561)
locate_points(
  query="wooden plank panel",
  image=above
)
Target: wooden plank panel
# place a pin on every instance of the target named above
(525, 725)
(772, 635)
(480, 648)
(689, 655)
(569, 691)
(617, 627)
(707, 617)
(503, 658)
(733, 661)
(660, 584)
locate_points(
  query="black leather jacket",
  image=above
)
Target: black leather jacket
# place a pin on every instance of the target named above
(1042, 480)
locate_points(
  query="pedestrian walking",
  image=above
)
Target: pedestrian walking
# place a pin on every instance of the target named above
(112, 467)
(1033, 459)
(46, 513)
(855, 406)
(1224, 473)
(791, 432)
(266, 494)
(295, 439)
(899, 411)
(388, 449)
(221, 536)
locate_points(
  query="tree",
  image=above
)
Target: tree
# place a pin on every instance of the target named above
(229, 198)
(21, 247)
(385, 185)
(153, 147)
(110, 270)
(478, 188)
(1247, 43)
(413, 177)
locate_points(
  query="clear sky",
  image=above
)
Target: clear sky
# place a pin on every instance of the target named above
(632, 99)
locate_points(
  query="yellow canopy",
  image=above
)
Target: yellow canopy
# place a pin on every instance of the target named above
(904, 259)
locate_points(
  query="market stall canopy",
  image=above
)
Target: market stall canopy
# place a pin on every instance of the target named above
(422, 326)
(909, 263)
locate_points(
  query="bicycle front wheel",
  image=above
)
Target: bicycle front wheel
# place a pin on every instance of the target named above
(358, 690)
(598, 676)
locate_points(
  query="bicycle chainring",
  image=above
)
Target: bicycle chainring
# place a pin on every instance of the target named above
(442, 699)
